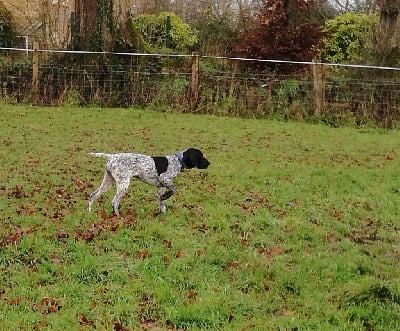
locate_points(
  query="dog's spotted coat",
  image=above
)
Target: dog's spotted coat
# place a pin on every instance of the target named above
(158, 171)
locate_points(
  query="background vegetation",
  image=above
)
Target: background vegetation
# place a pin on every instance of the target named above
(270, 31)
(164, 31)
(278, 29)
(7, 27)
(350, 38)
(293, 226)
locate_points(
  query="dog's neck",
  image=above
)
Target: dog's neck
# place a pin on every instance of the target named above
(179, 155)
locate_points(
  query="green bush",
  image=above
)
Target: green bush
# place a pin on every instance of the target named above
(154, 31)
(349, 38)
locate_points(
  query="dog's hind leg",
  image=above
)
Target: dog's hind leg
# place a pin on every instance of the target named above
(108, 181)
(122, 187)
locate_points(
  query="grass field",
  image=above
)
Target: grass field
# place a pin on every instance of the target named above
(292, 227)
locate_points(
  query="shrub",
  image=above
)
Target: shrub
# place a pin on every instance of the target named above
(349, 38)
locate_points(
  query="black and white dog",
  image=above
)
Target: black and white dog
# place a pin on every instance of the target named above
(158, 171)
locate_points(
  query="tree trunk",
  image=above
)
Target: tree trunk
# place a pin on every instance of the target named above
(94, 25)
(389, 33)
(85, 23)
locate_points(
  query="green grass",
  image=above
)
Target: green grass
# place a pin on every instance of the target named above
(293, 226)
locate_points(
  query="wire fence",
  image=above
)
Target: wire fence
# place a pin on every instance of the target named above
(337, 94)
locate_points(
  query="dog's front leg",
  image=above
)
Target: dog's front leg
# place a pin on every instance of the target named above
(161, 204)
(168, 194)
(164, 195)
(169, 185)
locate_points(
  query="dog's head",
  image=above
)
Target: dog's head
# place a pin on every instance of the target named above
(194, 158)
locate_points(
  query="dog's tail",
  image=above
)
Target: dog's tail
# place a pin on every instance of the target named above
(107, 156)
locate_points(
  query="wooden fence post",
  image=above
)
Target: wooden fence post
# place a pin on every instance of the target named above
(35, 73)
(234, 65)
(318, 88)
(194, 95)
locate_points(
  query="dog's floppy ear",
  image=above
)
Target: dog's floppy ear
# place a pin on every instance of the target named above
(189, 159)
